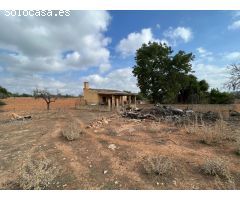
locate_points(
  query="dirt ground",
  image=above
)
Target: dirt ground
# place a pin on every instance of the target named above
(89, 163)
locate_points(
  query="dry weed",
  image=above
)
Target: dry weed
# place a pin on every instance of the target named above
(152, 128)
(238, 147)
(72, 131)
(158, 165)
(37, 174)
(210, 133)
(112, 132)
(217, 167)
(223, 185)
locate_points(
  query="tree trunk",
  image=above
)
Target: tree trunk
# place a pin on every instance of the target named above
(48, 106)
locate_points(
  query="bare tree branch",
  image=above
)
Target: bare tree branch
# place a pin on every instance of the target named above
(46, 96)
(234, 79)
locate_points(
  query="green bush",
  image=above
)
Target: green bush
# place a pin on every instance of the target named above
(4, 93)
(217, 97)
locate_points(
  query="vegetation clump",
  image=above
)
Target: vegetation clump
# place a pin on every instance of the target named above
(238, 147)
(37, 174)
(216, 167)
(72, 132)
(112, 132)
(158, 165)
(2, 103)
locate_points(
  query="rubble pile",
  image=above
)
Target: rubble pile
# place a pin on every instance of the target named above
(168, 113)
(100, 122)
(19, 117)
(234, 113)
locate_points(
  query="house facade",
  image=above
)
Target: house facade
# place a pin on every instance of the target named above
(110, 98)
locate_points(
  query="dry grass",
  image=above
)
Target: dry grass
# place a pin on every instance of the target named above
(152, 128)
(238, 147)
(72, 131)
(37, 174)
(158, 165)
(216, 167)
(112, 132)
(31, 104)
(210, 133)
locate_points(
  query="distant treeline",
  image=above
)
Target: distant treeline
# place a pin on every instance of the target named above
(212, 97)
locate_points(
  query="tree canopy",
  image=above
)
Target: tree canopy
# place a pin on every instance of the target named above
(4, 92)
(166, 77)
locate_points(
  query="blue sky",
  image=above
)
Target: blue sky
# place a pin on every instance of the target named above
(59, 53)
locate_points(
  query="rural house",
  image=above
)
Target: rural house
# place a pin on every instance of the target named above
(110, 98)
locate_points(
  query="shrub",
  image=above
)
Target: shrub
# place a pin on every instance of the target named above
(158, 165)
(238, 147)
(216, 167)
(37, 174)
(152, 129)
(2, 103)
(217, 97)
(72, 131)
(112, 132)
(210, 134)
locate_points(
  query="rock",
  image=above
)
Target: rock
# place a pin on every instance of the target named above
(112, 147)
(105, 122)
(188, 112)
(174, 182)
(18, 117)
(105, 171)
(234, 113)
(131, 130)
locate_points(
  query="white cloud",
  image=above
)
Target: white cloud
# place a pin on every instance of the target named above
(233, 56)
(180, 33)
(134, 41)
(40, 42)
(128, 46)
(27, 83)
(235, 25)
(201, 50)
(204, 54)
(215, 75)
(158, 26)
(104, 67)
(121, 79)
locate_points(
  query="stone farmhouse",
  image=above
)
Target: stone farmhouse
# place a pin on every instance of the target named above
(110, 98)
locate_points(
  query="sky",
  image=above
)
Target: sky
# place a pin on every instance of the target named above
(60, 53)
